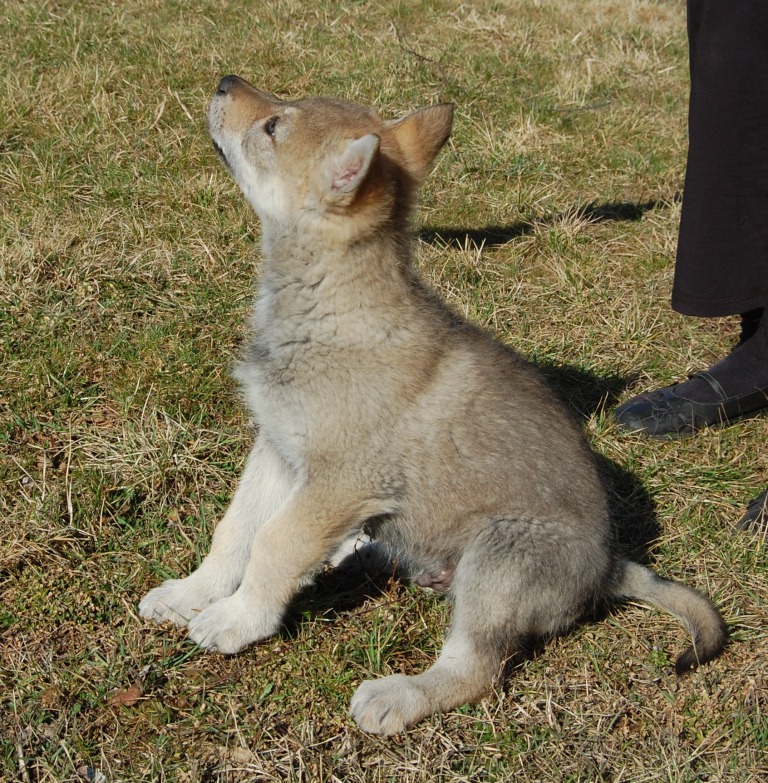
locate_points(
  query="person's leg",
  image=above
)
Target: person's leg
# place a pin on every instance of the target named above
(722, 251)
(722, 258)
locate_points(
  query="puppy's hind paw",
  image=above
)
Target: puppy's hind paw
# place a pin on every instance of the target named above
(390, 705)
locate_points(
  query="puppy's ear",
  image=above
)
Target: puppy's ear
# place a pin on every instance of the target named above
(421, 135)
(349, 167)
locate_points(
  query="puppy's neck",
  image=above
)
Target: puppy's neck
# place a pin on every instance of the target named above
(334, 263)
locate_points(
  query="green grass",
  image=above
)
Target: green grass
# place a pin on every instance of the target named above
(127, 260)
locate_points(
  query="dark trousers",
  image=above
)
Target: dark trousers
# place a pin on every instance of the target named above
(722, 255)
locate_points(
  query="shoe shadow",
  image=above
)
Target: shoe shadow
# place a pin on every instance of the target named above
(495, 236)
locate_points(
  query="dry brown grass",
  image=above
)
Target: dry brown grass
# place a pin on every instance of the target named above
(125, 278)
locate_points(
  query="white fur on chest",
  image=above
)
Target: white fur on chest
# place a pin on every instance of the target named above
(307, 365)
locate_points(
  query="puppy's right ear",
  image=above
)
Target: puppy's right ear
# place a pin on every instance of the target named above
(349, 168)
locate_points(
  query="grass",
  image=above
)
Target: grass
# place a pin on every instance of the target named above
(125, 279)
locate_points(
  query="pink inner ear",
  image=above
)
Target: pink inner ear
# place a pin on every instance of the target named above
(349, 169)
(348, 174)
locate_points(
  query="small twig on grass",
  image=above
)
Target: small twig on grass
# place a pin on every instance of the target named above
(183, 107)
(441, 69)
(23, 771)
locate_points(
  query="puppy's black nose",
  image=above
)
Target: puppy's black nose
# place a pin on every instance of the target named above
(226, 84)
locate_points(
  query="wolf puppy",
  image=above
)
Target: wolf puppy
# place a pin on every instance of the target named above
(381, 410)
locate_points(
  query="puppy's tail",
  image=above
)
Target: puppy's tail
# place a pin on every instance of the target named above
(694, 611)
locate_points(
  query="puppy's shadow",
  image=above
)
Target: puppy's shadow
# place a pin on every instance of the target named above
(633, 516)
(342, 591)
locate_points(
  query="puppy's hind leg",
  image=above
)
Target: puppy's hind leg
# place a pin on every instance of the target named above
(480, 638)
(265, 484)
(520, 578)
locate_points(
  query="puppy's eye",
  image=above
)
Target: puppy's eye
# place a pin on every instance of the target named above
(270, 125)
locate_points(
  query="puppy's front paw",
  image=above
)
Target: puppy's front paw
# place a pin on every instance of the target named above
(177, 600)
(231, 624)
(389, 706)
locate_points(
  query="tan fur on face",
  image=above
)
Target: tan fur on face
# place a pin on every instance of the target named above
(308, 134)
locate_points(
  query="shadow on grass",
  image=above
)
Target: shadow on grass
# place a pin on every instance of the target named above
(340, 591)
(633, 515)
(495, 236)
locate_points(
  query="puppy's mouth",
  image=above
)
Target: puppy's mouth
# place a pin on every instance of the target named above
(220, 153)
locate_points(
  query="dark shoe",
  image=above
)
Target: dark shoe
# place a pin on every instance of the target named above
(756, 517)
(665, 412)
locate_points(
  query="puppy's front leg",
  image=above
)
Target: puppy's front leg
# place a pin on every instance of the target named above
(286, 552)
(266, 483)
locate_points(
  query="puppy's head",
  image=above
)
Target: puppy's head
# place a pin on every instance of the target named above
(322, 159)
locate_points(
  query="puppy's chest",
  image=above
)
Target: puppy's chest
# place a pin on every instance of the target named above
(308, 339)
(293, 362)
(285, 375)
(315, 369)
(277, 394)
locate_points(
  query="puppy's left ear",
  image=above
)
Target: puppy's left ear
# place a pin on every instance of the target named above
(421, 135)
(348, 169)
